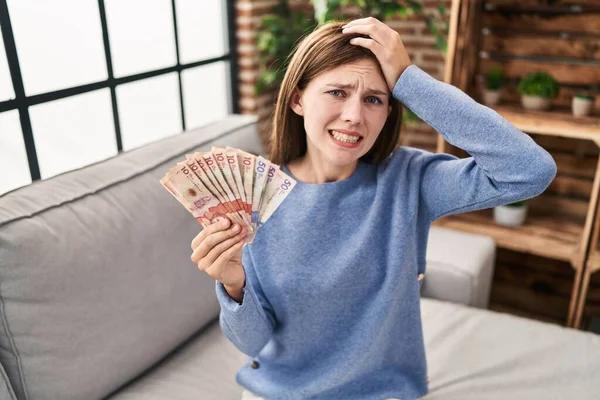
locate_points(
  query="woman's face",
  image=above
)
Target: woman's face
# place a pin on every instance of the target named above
(344, 110)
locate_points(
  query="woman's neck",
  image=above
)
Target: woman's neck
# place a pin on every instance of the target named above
(313, 171)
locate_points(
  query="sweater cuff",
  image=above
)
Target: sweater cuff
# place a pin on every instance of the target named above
(226, 301)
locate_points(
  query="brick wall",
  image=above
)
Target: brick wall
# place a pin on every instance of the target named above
(416, 37)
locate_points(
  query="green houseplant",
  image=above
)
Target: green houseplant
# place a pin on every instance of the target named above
(493, 85)
(537, 90)
(511, 215)
(277, 35)
(582, 104)
(279, 32)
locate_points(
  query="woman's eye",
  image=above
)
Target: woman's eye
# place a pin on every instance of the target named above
(336, 93)
(373, 100)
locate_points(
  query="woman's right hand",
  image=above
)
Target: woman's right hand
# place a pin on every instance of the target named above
(217, 251)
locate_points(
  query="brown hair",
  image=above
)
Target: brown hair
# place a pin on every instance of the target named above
(324, 49)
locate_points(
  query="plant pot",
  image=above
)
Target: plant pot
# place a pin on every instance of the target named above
(536, 102)
(491, 97)
(582, 107)
(510, 215)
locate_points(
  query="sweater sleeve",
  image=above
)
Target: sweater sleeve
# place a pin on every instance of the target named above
(249, 325)
(505, 166)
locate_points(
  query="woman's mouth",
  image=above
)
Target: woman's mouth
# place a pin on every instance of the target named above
(345, 140)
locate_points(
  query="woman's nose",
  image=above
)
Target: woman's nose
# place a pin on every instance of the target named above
(353, 111)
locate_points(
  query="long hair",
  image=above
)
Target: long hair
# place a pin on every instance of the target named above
(323, 49)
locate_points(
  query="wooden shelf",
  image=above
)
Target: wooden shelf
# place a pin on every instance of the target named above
(549, 236)
(594, 261)
(555, 122)
(553, 231)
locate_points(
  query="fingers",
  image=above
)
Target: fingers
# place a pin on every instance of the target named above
(213, 240)
(222, 252)
(374, 31)
(367, 43)
(209, 230)
(224, 257)
(363, 21)
(372, 45)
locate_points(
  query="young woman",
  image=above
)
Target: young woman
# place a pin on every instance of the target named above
(325, 301)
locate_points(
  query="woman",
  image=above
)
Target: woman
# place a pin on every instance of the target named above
(325, 301)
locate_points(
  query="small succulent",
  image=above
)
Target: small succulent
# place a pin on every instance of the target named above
(495, 78)
(584, 96)
(539, 84)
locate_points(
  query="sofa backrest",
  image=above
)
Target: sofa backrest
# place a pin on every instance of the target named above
(96, 281)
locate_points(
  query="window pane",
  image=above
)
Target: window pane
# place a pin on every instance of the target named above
(59, 43)
(149, 110)
(6, 87)
(13, 158)
(205, 93)
(73, 132)
(201, 29)
(141, 35)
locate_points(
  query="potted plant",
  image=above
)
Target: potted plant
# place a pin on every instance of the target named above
(537, 90)
(511, 215)
(491, 93)
(582, 104)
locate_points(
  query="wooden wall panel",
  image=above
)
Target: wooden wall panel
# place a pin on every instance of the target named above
(534, 45)
(574, 23)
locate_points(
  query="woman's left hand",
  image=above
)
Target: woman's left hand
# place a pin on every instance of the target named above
(385, 43)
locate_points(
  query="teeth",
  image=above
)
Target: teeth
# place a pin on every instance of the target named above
(344, 138)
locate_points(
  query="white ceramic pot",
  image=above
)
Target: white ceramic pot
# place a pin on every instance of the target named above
(510, 216)
(582, 107)
(491, 97)
(535, 102)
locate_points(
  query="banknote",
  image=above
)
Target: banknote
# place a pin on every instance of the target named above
(278, 186)
(228, 176)
(228, 195)
(228, 183)
(238, 173)
(206, 208)
(261, 168)
(192, 162)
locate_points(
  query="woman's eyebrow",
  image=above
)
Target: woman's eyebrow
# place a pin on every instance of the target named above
(350, 86)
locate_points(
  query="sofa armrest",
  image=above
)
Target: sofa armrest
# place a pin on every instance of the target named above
(459, 267)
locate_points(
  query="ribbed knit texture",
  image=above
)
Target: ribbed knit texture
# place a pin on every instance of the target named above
(331, 303)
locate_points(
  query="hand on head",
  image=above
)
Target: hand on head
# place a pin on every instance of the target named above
(385, 43)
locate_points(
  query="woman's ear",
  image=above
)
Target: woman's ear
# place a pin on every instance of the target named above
(296, 103)
(389, 110)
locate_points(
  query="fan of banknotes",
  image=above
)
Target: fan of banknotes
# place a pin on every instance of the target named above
(229, 183)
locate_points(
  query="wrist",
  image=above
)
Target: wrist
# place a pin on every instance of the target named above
(235, 291)
(237, 288)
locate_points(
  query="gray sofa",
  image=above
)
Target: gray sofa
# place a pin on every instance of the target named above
(99, 298)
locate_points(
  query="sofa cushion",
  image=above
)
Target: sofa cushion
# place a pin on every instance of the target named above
(472, 354)
(476, 354)
(202, 369)
(96, 282)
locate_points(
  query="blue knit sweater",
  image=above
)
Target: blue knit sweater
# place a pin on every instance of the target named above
(331, 304)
